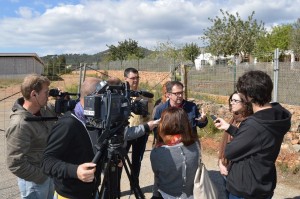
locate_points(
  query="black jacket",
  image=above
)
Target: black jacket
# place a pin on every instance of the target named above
(69, 145)
(253, 152)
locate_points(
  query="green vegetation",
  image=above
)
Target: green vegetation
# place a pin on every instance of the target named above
(125, 50)
(191, 52)
(295, 38)
(283, 167)
(4, 83)
(209, 131)
(230, 35)
(279, 37)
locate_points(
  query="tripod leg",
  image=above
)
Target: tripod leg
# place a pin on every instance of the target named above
(110, 187)
(104, 191)
(132, 178)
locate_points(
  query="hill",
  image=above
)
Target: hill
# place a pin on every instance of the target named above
(76, 59)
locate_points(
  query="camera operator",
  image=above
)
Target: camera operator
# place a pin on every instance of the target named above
(26, 140)
(71, 149)
(131, 75)
(69, 152)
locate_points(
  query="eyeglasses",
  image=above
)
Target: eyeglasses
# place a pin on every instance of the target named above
(178, 93)
(134, 78)
(235, 101)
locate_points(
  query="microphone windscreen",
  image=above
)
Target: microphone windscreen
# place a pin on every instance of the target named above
(54, 92)
(147, 94)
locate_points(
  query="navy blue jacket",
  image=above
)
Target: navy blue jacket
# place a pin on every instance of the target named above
(190, 108)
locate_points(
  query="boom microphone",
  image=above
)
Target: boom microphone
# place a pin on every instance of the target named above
(146, 94)
(39, 118)
(143, 93)
(55, 92)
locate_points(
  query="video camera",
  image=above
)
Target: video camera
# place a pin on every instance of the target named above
(63, 102)
(111, 105)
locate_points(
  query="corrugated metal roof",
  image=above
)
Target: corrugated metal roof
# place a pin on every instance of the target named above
(34, 55)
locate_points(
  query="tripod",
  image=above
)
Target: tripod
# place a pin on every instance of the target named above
(112, 153)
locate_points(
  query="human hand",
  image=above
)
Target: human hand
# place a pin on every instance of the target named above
(221, 124)
(202, 117)
(120, 164)
(85, 172)
(153, 123)
(223, 169)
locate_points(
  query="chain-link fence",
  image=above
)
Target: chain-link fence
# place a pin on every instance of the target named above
(221, 79)
(218, 80)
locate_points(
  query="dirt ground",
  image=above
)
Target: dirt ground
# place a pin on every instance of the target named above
(288, 186)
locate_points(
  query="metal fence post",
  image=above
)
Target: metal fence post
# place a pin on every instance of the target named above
(276, 69)
(183, 69)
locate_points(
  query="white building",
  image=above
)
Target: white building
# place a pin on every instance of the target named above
(204, 59)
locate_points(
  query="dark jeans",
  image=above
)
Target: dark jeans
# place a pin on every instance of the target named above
(138, 149)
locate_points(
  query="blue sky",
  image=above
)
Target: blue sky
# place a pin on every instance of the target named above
(87, 26)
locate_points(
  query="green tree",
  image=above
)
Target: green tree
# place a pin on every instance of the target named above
(61, 64)
(168, 50)
(231, 35)
(124, 50)
(279, 37)
(190, 52)
(295, 38)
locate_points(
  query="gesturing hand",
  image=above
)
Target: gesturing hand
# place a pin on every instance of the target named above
(221, 124)
(202, 117)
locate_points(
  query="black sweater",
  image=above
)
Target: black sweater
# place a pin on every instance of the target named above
(253, 152)
(69, 145)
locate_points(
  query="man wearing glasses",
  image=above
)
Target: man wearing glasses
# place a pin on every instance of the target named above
(175, 95)
(131, 75)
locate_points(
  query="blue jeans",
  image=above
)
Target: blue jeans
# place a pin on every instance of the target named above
(31, 190)
(231, 196)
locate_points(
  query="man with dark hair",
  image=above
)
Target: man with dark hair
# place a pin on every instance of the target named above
(138, 145)
(257, 141)
(26, 140)
(175, 96)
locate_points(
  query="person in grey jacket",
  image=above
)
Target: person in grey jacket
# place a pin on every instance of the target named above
(26, 140)
(175, 162)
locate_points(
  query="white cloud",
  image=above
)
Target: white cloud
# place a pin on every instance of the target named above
(25, 12)
(89, 26)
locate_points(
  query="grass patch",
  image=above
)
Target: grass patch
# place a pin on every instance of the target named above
(283, 167)
(209, 97)
(4, 83)
(209, 130)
